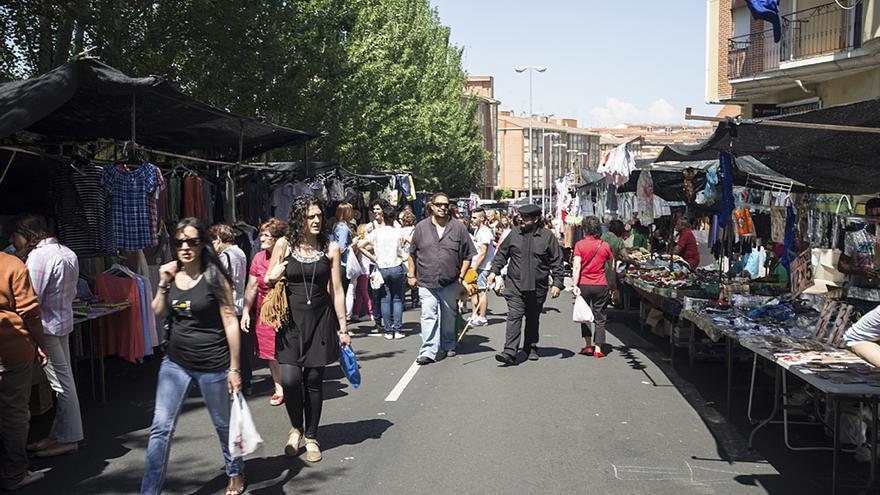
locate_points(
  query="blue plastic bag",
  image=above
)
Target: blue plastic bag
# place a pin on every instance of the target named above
(349, 364)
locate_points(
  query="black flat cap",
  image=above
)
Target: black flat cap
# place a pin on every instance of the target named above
(529, 211)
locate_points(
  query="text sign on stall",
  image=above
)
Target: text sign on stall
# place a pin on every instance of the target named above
(801, 273)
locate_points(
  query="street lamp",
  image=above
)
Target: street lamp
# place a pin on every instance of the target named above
(578, 169)
(558, 145)
(551, 135)
(532, 69)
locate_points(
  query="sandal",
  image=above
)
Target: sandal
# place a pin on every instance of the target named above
(276, 400)
(313, 450)
(232, 490)
(294, 441)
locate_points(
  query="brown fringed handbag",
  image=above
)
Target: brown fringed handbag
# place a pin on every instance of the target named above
(275, 311)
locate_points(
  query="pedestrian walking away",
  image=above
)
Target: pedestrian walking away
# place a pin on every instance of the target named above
(255, 294)
(201, 346)
(316, 325)
(440, 254)
(591, 259)
(54, 271)
(532, 255)
(384, 247)
(235, 262)
(21, 341)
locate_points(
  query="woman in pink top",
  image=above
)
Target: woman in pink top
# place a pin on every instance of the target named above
(590, 257)
(264, 344)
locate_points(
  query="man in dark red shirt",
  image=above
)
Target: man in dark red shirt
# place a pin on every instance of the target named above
(687, 243)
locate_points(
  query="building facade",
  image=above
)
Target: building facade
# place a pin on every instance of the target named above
(557, 147)
(827, 56)
(482, 89)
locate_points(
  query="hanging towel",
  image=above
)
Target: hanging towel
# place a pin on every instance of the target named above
(767, 10)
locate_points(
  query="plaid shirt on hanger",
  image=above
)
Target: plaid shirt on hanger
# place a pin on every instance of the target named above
(129, 190)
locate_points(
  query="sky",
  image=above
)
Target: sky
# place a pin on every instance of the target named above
(608, 62)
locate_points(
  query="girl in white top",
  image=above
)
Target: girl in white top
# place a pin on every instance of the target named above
(384, 246)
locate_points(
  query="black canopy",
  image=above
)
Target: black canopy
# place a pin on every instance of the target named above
(830, 161)
(84, 100)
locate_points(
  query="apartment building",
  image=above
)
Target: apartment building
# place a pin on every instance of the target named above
(558, 147)
(482, 89)
(828, 55)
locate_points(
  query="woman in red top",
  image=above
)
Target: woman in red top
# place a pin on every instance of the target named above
(590, 257)
(687, 243)
(264, 344)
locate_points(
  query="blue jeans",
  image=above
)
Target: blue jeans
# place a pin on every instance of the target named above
(392, 298)
(438, 319)
(175, 383)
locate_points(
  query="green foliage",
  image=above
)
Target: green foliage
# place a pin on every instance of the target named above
(379, 77)
(503, 194)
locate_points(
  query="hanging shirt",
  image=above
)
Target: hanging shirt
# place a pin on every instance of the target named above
(54, 271)
(282, 198)
(129, 190)
(859, 246)
(152, 205)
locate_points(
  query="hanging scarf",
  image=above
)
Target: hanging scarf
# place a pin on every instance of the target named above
(788, 245)
(726, 170)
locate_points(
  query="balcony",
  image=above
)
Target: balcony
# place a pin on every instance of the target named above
(813, 32)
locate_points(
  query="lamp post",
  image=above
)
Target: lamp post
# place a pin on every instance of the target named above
(531, 69)
(557, 145)
(551, 135)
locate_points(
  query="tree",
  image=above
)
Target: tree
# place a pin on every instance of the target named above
(378, 77)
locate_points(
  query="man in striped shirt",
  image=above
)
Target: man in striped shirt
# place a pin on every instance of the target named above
(54, 271)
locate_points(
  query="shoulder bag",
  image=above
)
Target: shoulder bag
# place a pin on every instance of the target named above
(275, 311)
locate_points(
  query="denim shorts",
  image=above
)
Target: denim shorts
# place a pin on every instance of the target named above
(483, 279)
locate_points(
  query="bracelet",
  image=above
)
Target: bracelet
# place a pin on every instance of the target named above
(234, 370)
(343, 332)
(409, 277)
(164, 288)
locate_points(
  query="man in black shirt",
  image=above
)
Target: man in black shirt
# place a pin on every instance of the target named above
(534, 254)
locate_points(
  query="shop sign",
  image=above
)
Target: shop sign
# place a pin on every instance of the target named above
(801, 273)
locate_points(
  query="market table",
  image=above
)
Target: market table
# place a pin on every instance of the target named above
(788, 362)
(97, 344)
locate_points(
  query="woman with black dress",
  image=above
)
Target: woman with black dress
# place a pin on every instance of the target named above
(202, 338)
(316, 325)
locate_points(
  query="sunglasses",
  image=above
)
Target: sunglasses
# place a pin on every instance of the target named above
(192, 242)
(441, 205)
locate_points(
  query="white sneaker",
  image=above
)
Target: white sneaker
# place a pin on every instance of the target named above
(398, 335)
(389, 336)
(29, 478)
(479, 322)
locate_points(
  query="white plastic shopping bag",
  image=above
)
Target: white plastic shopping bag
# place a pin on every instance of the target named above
(243, 435)
(376, 279)
(352, 266)
(582, 313)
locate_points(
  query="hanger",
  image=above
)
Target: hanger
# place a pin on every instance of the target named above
(120, 270)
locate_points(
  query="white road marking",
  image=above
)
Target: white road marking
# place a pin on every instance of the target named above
(404, 381)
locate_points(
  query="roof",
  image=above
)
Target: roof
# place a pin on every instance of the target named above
(86, 100)
(825, 160)
(539, 124)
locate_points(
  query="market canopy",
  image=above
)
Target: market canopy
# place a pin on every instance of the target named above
(85, 100)
(822, 159)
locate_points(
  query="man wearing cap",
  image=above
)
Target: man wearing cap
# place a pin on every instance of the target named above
(534, 254)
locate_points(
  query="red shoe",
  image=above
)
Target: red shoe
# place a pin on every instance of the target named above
(276, 400)
(587, 351)
(599, 354)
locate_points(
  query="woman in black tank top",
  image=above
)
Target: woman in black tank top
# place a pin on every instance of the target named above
(316, 324)
(201, 345)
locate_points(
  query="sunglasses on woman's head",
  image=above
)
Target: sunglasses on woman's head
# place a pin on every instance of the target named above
(192, 242)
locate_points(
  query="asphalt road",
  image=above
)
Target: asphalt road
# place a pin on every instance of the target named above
(625, 424)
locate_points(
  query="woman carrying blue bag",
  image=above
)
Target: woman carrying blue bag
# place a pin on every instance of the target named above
(315, 328)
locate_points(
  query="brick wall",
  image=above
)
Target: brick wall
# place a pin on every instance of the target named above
(725, 31)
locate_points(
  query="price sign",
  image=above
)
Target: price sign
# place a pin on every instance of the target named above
(801, 273)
